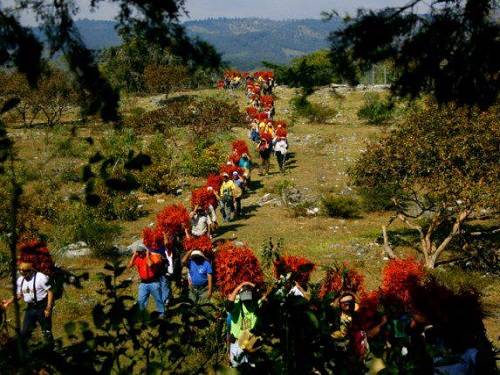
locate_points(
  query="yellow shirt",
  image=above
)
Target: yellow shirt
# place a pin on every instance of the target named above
(227, 185)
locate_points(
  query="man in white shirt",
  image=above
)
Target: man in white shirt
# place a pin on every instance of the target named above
(34, 288)
(200, 222)
(281, 148)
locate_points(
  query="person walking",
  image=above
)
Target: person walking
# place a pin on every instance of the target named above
(281, 149)
(246, 164)
(227, 197)
(34, 287)
(201, 223)
(264, 149)
(200, 276)
(238, 193)
(148, 266)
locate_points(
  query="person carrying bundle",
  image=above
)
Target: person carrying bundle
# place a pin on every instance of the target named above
(281, 149)
(200, 276)
(35, 289)
(242, 306)
(227, 197)
(264, 149)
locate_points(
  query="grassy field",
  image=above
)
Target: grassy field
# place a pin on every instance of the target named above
(322, 154)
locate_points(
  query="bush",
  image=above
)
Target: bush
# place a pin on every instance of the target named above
(202, 117)
(204, 159)
(80, 223)
(312, 111)
(119, 206)
(340, 206)
(375, 110)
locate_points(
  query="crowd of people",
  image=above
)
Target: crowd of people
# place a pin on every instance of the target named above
(179, 257)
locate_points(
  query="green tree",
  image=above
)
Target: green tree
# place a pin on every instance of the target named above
(448, 52)
(443, 162)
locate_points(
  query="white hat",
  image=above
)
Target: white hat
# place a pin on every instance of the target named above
(235, 173)
(197, 253)
(225, 174)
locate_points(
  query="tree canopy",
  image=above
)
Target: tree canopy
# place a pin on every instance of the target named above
(157, 22)
(443, 162)
(448, 52)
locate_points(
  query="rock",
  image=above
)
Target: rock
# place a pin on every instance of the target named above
(130, 248)
(160, 201)
(178, 192)
(266, 198)
(312, 211)
(75, 250)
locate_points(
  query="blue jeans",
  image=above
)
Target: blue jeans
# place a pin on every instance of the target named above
(153, 289)
(165, 289)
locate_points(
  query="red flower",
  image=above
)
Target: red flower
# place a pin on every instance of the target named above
(233, 265)
(214, 181)
(400, 276)
(267, 101)
(152, 238)
(300, 268)
(203, 198)
(252, 112)
(262, 116)
(342, 278)
(240, 146)
(280, 132)
(203, 243)
(280, 124)
(36, 253)
(266, 136)
(173, 219)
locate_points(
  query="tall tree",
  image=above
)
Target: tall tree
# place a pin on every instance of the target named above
(448, 52)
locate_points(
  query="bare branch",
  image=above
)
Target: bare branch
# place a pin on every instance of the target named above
(387, 248)
(454, 230)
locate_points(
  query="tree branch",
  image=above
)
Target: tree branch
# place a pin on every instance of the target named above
(454, 230)
(387, 248)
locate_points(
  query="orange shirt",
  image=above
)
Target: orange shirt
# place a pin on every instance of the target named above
(147, 273)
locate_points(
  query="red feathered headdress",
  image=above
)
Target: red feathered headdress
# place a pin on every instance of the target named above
(342, 278)
(203, 243)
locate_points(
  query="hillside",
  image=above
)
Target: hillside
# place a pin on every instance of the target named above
(243, 42)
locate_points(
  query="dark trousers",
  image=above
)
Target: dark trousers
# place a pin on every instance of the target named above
(35, 313)
(281, 160)
(237, 208)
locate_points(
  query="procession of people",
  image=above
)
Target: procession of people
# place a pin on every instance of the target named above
(179, 257)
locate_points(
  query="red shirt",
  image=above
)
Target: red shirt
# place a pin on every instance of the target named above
(146, 273)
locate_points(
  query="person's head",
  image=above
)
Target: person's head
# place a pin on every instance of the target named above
(235, 175)
(197, 256)
(347, 303)
(244, 156)
(200, 210)
(26, 269)
(225, 176)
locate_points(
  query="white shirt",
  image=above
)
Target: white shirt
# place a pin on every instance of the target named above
(281, 146)
(199, 224)
(25, 287)
(170, 260)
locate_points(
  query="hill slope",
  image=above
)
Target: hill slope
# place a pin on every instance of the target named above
(243, 42)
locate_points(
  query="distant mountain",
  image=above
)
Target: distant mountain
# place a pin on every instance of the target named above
(243, 42)
(246, 42)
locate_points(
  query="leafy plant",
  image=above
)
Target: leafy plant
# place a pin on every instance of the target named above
(375, 110)
(340, 206)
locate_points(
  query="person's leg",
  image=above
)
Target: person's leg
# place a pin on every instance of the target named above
(46, 326)
(165, 289)
(238, 206)
(29, 323)
(156, 292)
(143, 295)
(193, 294)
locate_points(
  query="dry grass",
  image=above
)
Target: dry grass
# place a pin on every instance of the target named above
(323, 153)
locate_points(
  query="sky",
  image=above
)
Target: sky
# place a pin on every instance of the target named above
(274, 9)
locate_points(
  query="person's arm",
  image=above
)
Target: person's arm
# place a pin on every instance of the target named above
(210, 282)
(148, 258)
(50, 303)
(236, 290)
(131, 262)
(186, 256)
(7, 302)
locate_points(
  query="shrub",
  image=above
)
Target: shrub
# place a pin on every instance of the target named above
(202, 117)
(204, 158)
(80, 223)
(375, 110)
(118, 206)
(340, 206)
(312, 111)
